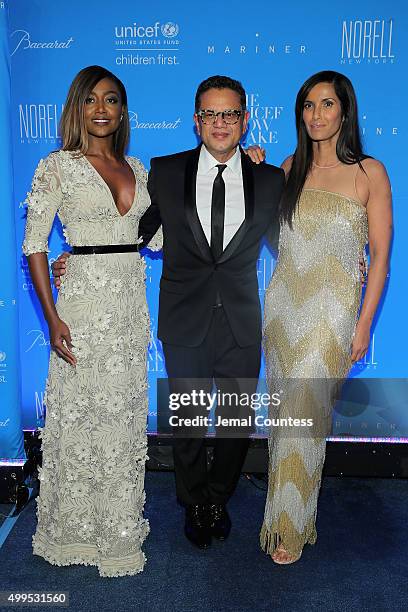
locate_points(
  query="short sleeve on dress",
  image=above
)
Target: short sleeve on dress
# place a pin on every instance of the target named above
(43, 203)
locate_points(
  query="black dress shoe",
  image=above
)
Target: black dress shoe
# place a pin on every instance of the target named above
(196, 526)
(220, 522)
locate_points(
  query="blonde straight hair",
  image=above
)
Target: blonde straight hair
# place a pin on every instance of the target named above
(72, 125)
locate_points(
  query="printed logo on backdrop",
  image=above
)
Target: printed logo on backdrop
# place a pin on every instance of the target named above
(39, 123)
(383, 128)
(263, 121)
(3, 367)
(39, 399)
(142, 123)
(26, 282)
(155, 357)
(36, 338)
(367, 41)
(7, 302)
(147, 44)
(21, 40)
(261, 45)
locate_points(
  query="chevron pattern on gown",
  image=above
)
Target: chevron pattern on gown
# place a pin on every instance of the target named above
(311, 309)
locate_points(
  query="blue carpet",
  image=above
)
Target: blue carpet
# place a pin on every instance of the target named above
(5, 510)
(359, 562)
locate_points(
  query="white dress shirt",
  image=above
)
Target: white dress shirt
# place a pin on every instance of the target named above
(234, 193)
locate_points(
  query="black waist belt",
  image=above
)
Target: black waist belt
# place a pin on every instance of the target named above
(105, 248)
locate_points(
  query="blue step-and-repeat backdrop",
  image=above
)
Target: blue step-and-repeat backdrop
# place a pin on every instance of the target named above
(161, 51)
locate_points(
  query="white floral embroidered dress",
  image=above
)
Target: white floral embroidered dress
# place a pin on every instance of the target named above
(90, 508)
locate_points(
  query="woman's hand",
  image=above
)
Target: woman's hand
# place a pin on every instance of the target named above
(256, 154)
(60, 339)
(361, 341)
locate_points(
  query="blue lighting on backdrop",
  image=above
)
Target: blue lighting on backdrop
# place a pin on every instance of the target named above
(162, 51)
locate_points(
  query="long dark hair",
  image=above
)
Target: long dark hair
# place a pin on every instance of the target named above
(348, 148)
(72, 126)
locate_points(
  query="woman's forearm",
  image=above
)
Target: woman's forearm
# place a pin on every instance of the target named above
(38, 265)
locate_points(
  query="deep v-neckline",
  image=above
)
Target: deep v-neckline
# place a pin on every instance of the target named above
(110, 190)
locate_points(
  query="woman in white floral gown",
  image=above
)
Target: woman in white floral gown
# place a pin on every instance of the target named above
(90, 508)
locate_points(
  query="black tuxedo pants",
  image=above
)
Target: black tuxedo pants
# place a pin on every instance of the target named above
(217, 360)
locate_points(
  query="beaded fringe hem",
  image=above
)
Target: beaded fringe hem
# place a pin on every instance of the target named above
(82, 554)
(282, 532)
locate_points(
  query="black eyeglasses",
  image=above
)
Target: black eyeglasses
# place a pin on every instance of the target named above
(230, 116)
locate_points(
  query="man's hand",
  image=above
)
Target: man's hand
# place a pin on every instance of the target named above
(59, 268)
(256, 154)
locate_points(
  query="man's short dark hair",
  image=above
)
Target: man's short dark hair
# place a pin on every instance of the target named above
(220, 82)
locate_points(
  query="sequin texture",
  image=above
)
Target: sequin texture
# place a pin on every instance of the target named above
(311, 308)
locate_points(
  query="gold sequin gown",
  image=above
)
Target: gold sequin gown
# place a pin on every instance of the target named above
(311, 308)
(90, 507)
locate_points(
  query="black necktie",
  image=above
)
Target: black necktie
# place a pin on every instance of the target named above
(218, 213)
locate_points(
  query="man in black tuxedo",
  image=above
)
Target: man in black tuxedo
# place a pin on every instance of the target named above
(214, 205)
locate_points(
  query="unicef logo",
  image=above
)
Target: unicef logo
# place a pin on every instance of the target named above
(2, 356)
(170, 29)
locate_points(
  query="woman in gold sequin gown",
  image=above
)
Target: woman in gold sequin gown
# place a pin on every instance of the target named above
(336, 200)
(90, 507)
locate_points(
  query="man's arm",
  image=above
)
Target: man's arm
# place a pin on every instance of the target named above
(151, 219)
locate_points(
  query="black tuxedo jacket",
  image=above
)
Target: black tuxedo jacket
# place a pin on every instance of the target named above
(191, 277)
